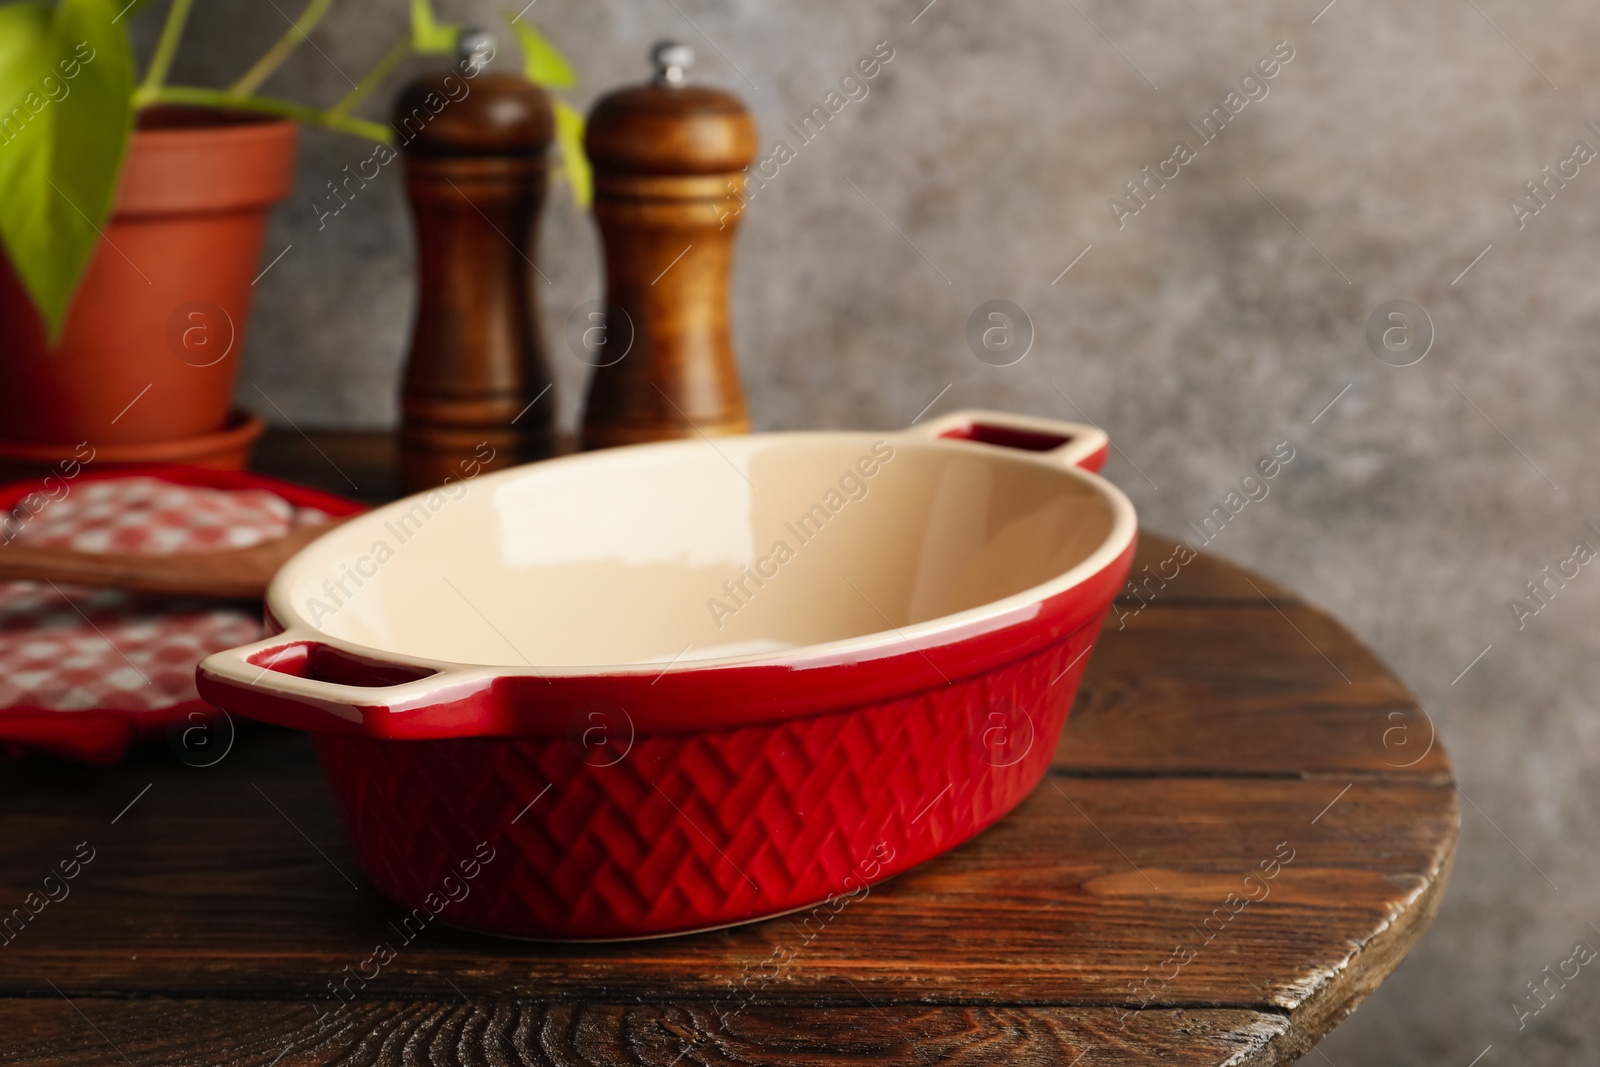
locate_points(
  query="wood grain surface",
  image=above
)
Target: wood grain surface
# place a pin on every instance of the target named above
(1247, 825)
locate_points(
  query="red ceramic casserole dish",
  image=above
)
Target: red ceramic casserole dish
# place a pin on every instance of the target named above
(675, 686)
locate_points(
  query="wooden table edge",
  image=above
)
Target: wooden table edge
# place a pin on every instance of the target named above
(1335, 1000)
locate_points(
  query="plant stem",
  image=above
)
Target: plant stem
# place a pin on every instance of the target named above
(373, 78)
(184, 94)
(297, 32)
(171, 31)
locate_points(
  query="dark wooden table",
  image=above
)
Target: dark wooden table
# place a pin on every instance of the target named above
(1226, 728)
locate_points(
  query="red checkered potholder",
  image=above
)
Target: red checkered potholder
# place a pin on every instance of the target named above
(94, 653)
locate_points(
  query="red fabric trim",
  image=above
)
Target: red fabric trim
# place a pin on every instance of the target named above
(177, 474)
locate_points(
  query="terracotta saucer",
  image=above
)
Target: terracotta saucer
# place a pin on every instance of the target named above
(224, 449)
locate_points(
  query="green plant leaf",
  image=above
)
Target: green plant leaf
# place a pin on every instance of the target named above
(429, 36)
(66, 88)
(574, 164)
(24, 30)
(542, 64)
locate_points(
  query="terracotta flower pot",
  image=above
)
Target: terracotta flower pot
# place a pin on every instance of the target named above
(155, 332)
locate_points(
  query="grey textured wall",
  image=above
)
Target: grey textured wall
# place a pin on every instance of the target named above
(1222, 318)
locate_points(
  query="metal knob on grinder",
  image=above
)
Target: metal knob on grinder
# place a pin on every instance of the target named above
(672, 61)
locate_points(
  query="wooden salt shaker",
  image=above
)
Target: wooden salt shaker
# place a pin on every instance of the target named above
(669, 162)
(474, 145)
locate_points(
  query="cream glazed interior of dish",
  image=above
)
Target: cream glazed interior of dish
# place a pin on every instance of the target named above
(693, 551)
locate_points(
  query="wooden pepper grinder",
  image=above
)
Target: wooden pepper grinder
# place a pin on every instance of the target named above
(474, 147)
(669, 163)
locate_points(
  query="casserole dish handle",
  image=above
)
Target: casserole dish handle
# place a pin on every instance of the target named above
(301, 681)
(1070, 444)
